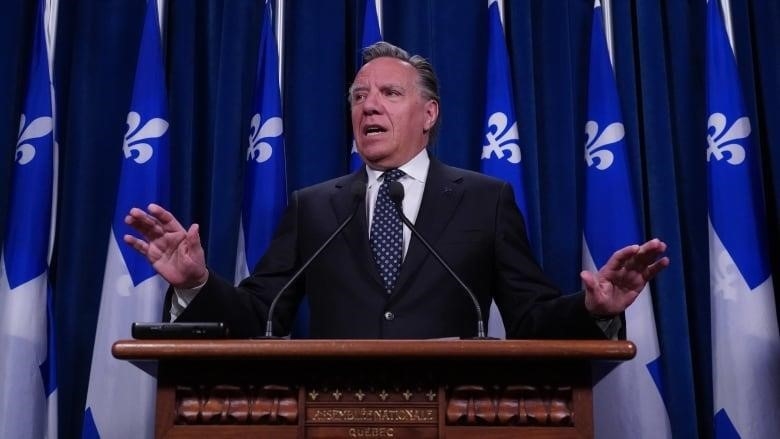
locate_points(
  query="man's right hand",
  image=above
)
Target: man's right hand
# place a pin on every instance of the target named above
(174, 252)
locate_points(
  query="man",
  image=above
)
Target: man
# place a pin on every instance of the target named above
(356, 288)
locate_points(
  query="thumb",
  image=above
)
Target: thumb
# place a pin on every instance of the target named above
(193, 235)
(192, 245)
(588, 280)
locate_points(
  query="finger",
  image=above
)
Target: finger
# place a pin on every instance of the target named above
(649, 252)
(193, 237)
(194, 233)
(137, 215)
(148, 226)
(656, 267)
(166, 218)
(138, 244)
(621, 258)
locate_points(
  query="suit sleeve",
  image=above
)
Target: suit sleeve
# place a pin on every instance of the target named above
(531, 306)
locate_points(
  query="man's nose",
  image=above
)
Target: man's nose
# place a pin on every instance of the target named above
(372, 104)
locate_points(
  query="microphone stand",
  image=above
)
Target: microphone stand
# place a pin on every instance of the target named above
(358, 192)
(397, 195)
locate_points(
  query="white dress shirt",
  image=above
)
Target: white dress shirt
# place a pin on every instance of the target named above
(416, 171)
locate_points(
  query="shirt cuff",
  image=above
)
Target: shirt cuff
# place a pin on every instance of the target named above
(182, 297)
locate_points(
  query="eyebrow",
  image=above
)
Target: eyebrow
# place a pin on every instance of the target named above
(362, 87)
(357, 87)
(392, 86)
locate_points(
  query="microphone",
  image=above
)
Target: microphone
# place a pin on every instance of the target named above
(397, 195)
(358, 190)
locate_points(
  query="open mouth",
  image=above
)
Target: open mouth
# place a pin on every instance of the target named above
(373, 130)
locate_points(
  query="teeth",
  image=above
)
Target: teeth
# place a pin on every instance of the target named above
(374, 130)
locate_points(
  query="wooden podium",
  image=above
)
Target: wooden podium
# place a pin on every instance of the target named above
(374, 389)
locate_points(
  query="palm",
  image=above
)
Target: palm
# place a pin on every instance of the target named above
(173, 258)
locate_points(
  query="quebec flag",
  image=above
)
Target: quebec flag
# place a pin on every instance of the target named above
(501, 155)
(370, 35)
(265, 191)
(121, 397)
(628, 398)
(28, 383)
(745, 339)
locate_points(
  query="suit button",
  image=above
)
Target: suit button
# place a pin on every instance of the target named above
(389, 316)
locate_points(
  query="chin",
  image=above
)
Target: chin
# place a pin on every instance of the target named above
(373, 155)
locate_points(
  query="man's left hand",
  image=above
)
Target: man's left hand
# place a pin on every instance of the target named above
(618, 283)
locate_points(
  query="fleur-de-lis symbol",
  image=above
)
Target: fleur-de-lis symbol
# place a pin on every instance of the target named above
(724, 276)
(501, 139)
(135, 138)
(259, 149)
(40, 127)
(720, 140)
(613, 133)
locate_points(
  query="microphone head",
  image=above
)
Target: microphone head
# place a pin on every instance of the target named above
(396, 192)
(358, 190)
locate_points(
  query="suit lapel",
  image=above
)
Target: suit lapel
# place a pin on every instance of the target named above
(441, 196)
(356, 233)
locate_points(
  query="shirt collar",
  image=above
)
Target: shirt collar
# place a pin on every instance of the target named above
(416, 168)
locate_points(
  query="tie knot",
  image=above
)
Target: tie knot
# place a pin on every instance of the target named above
(393, 175)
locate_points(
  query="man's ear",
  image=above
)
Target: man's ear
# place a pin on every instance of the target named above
(431, 114)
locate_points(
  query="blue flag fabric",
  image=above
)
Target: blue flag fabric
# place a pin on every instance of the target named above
(28, 384)
(132, 291)
(370, 35)
(265, 190)
(371, 31)
(745, 339)
(628, 398)
(501, 154)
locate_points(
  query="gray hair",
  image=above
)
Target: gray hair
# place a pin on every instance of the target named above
(427, 80)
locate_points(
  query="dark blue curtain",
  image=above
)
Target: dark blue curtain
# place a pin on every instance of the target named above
(16, 30)
(211, 53)
(663, 107)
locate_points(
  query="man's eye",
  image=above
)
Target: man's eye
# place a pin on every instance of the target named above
(358, 97)
(393, 93)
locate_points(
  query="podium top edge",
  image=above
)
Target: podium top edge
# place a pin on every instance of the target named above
(235, 349)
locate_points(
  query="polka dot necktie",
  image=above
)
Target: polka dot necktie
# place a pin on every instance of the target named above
(387, 238)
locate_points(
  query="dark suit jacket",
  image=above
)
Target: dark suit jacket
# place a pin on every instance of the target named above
(470, 218)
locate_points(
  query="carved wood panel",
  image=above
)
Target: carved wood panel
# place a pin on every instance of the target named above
(510, 405)
(229, 404)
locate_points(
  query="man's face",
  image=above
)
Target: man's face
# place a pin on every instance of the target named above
(390, 117)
